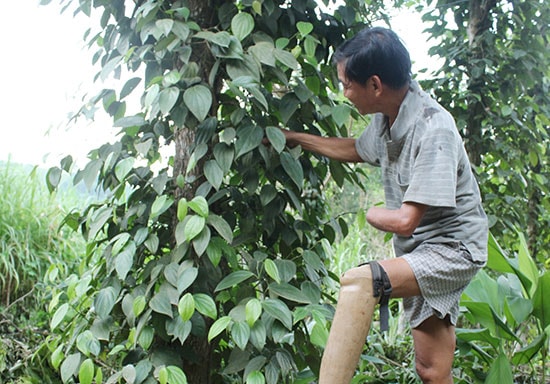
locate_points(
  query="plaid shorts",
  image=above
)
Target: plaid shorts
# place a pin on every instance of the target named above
(442, 271)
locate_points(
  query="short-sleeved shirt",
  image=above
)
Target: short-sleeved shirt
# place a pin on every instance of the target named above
(423, 160)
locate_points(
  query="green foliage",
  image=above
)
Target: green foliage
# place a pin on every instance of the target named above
(206, 264)
(513, 318)
(495, 80)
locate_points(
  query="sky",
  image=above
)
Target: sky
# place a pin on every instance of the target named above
(47, 72)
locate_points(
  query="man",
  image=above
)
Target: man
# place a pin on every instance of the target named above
(433, 208)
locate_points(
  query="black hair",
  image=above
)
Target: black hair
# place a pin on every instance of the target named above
(375, 51)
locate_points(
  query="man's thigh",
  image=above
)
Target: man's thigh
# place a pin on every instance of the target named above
(401, 276)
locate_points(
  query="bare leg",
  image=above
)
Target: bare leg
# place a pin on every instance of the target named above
(434, 345)
(350, 327)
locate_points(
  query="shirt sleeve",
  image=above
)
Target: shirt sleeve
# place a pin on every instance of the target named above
(365, 145)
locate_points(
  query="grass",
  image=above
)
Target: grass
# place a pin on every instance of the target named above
(31, 241)
(30, 237)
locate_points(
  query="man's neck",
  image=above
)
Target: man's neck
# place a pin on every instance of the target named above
(394, 99)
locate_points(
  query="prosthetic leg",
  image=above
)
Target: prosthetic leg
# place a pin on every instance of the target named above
(360, 290)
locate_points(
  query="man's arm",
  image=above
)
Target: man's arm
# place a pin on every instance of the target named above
(402, 221)
(336, 148)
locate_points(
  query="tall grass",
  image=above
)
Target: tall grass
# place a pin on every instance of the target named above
(30, 237)
(362, 242)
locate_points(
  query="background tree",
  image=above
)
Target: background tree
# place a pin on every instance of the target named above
(495, 79)
(205, 262)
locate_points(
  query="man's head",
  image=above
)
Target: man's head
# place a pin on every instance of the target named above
(375, 51)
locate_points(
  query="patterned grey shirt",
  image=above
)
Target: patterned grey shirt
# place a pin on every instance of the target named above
(423, 160)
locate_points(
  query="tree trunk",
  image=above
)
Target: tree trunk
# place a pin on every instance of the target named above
(479, 22)
(204, 13)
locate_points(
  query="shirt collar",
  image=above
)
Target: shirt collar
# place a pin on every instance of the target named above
(407, 111)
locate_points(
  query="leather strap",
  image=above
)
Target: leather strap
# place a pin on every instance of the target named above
(382, 288)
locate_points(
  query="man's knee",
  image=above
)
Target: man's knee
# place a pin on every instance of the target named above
(372, 280)
(358, 276)
(433, 374)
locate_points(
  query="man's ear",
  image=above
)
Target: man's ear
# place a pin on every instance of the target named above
(377, 84)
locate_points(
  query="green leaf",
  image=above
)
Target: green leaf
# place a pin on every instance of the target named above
(224, 155)
(129, 373)
(171, 77)
(53, 177)
(182, 208)
(213, 173)
(186, 306)
(186, 278)
(289, 292)
(198, 99)
(221, 226)
(232, 279)
(293, 168)
(218, 327)
(164, 26)
(240, 332)
(497, 260)
(310, 44)
(199, 205)
(129, 86)
(180, 232)
(138, 305)
(319, 335)
(125, 260)
(258, 335)
(276, 138)
(70, 366)
(104, 302)
(253, 311)
(304, 28)
(168, 98)
(255, 377)
(57, 356)
(205, 305)
(193, 227)
(179, 329)
(313, 260)
(130, 121)
(223, 39)
(341, 114)
(529, 273)
(160, 205)
(241, 25)
(88, 344)
(541, 300)
(277, 309)
(200, 242)
(160, 303)
(286, 58)
(272, 270)
(163, 375)
(267, 194)
(526, 354)
(263, 52)
(181, 30)
(59, 315)
(500, 371)
(506, 110)
(176, 375)
(249, 137)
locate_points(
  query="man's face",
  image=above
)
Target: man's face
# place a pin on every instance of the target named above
(358, 94)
